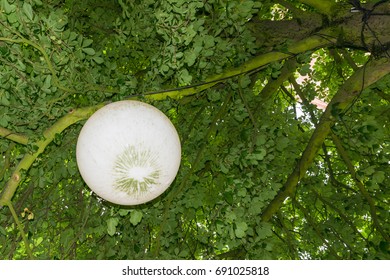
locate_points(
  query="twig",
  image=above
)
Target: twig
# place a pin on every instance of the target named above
(344, 155)
(21, 230)
(16, 137)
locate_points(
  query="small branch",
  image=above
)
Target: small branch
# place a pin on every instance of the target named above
(287, 71)
(348, 92)
(382, 95)
(16, 137)
(289, 238)
(326, 7)
(45, 57)
(251, 116)
(349, 59)
(316, 229)
(341, 214)
(305, 102)
(310, 43)
(7, 160)
(21, 230)
(332, 176)
(344, 155)
(48, 136)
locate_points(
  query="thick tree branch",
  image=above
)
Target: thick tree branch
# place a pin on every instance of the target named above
(326, 7)
(361, 79)
(48, 136)
(271, 87)
(16, 137)
(310, 43)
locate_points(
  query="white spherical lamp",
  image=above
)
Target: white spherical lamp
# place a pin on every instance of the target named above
(128, 152)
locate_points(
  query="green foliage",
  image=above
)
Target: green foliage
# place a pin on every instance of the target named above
(238, 147)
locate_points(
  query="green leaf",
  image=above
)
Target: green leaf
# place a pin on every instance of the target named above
(27, 9)
(123, 212)
(305, 69)
(135, 217)
(98, 59)
(13, 18)
(87, 42)
(111, 225)
(164, 68)
(228, 197)
(190, 58)
(240, 230)
(379, 177)
(223, 168)
(260, 154)
(4, 99)
(245, 81)
(264, 230)
(2, 231)
(89, 51)
(4, 121)
(185, 77)
(208, 41)
(8, 8)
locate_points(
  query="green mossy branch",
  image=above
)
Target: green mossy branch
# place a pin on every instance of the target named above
(349, 91)
(16, 137)
(326, 7)
(310, 43)
(47, 137)
(272, 86)
(21, 230)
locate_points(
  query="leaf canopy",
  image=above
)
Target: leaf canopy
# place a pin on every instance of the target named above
(282, 108)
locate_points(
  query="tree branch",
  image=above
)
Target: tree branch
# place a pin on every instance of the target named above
(287, 71)
(344, 155)
(341, 214)
(361, 79)
(45, 57)
(326, 7)
(310, 43)
(311, 222)
(16, 137)
(21, 230)
(48, 136)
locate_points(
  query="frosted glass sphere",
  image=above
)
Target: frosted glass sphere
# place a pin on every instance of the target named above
(128, 152)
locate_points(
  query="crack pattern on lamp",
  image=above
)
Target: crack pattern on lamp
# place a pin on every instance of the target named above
(135, 171)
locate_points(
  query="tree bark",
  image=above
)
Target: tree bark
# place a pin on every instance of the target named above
(367, 29)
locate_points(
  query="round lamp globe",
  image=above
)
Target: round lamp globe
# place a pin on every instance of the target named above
(128, 152)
